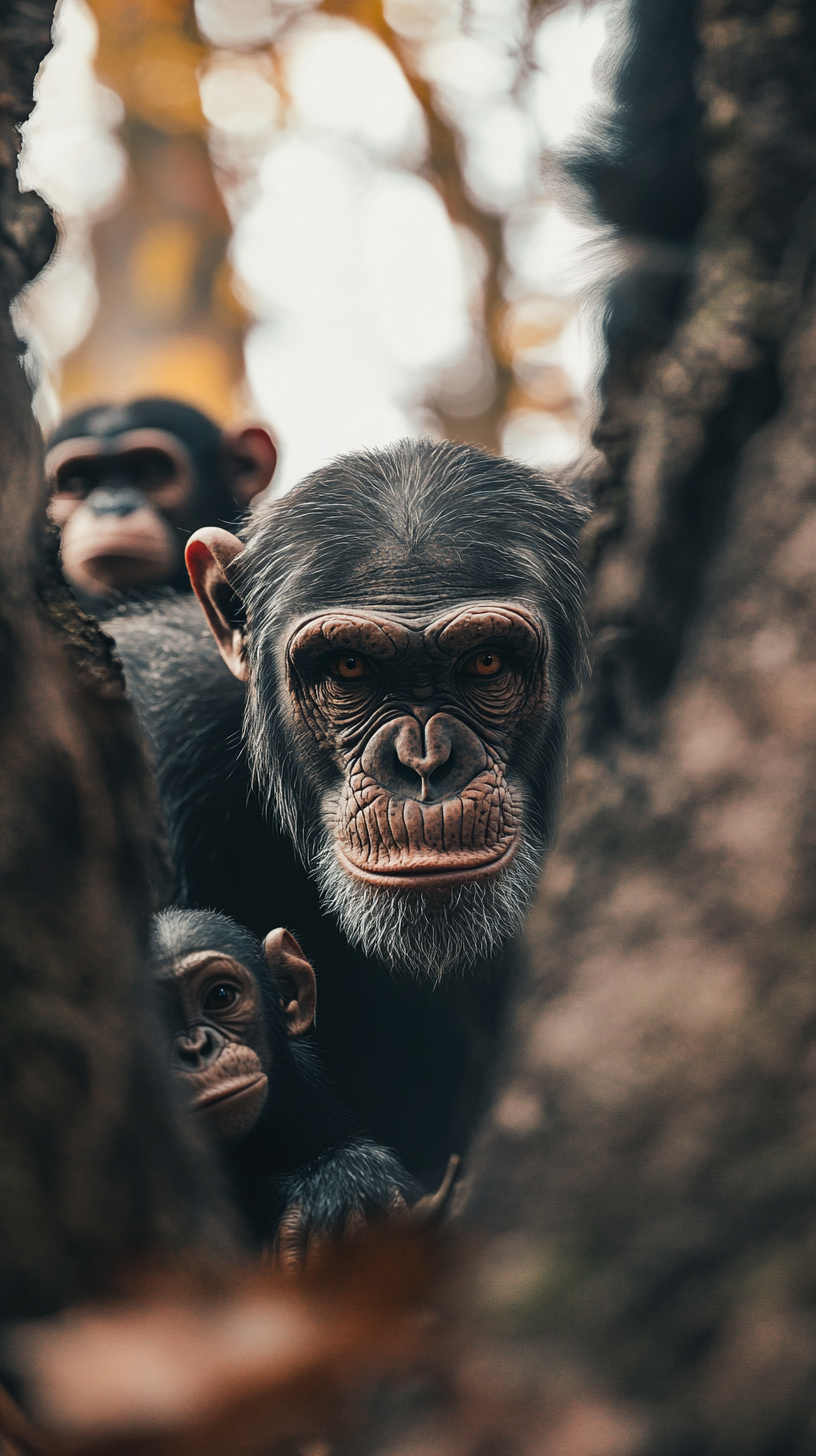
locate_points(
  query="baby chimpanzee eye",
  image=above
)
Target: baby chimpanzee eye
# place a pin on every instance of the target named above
(219, 997)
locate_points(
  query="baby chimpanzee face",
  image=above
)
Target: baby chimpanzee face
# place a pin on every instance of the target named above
(220, 1046)
(219, 1020)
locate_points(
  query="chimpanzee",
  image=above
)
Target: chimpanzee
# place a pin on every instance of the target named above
(299, 1167)
(402, 632)
(130, 483)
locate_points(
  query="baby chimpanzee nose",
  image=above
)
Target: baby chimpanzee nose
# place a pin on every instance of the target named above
(115, 500)
(197, 1048)
(432, 762)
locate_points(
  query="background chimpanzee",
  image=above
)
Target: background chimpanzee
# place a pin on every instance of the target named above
(130, 483)
(402, 632)
(234, 1008)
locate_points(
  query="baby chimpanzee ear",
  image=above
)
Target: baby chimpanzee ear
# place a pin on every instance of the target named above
(289, 965)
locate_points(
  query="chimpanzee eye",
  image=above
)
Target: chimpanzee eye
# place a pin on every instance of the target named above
(350, 666)
(72, 485)
(151, 468)
(483, 664)
(219, 997)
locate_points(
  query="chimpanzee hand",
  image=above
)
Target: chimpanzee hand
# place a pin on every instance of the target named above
(337, 1194)
(434, 1208)
(297, 1243)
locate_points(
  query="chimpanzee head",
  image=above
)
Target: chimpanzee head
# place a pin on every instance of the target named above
(129, 484)
(412, 631)
(229, 1003)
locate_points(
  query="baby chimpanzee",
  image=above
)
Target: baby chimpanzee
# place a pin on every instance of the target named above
(300, 1169)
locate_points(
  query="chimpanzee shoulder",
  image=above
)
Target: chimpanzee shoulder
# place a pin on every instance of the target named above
(182, 690)
(191, 711)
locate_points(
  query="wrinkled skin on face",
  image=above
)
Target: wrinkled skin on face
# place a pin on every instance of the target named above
(422, 721)
(220, 1050)
(408, 623)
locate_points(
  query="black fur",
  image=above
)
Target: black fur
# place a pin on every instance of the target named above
(410, 1060)
(638, 166)
(640, 157)
(305, 1147)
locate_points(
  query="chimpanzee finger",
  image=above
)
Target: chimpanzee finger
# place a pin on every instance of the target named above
(318, 1246)
(290, 1248)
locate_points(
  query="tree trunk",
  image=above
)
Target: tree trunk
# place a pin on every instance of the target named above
(97, 1171)
(648, 1169)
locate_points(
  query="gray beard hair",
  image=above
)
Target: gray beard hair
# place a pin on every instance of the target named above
(427, 936)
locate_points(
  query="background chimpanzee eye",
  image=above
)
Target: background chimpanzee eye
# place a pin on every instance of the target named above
(72, 485)
(151, 468)
(219, 997)
(350, 666)
(484, 664)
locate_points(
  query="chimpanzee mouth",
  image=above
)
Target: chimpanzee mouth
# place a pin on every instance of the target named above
(412, 927)
(433, 876)
(233, 1092)
(139, 548)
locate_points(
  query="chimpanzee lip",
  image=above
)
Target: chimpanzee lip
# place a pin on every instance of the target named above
(136, 547)
(430, 878)
(228, 1092)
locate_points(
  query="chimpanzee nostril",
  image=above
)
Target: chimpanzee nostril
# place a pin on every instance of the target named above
(424, 748)
(436, 761)
(197, 1048)
(439, 776)
(404, 773)
(115, 500)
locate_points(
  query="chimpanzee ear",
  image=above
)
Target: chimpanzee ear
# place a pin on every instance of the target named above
(250, 456)
(289, 965)
(210, 553)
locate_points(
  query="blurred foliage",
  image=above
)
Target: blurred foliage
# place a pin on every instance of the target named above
(504, 326)
(235, 1358)
(169, 319)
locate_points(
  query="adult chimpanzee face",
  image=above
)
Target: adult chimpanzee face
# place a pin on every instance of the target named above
(130, 484)
(420, 718)
(117, 502)
(409, 644)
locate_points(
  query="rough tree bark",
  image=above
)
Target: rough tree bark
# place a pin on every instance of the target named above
(95, 1170)
(648, 1170)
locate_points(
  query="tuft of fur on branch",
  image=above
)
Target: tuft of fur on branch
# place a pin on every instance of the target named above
(702, 160)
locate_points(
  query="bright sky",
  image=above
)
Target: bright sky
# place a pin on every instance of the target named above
(360, 287)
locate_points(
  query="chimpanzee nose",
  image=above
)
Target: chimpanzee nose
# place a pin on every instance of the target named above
(115, 500)
(436, 761)
(197, 1048)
